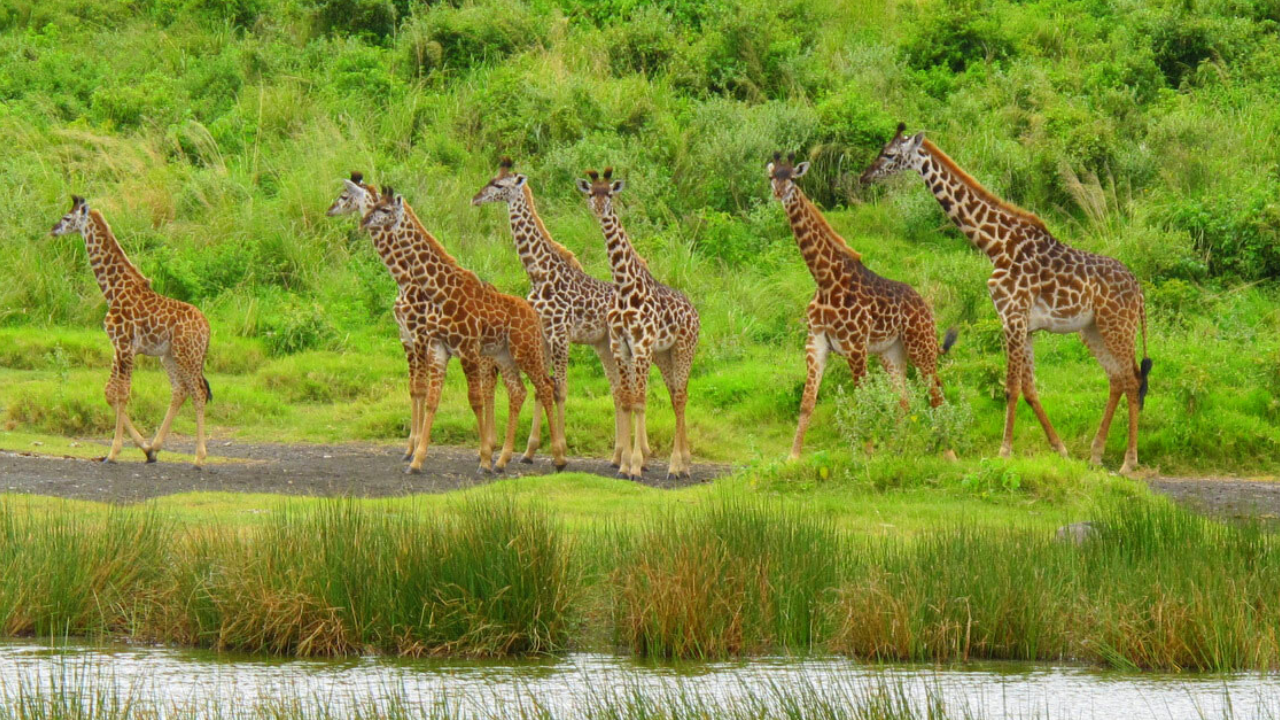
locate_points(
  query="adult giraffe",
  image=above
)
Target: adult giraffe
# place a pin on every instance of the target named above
(478, 322)
(1039, 283)
(854, 311)
(141, 320)
(648, 321)
(573, 306)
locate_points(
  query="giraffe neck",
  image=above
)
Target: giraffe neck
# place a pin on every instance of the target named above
(116, 275)
(824, 252)
(629, 271)
(422, 261)
(397, 255)
(993, 226)
(541, 255)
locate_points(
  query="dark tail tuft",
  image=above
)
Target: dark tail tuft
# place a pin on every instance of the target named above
(208, 391)
(949, 339)
(1143, 371)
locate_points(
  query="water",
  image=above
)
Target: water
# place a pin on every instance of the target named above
(179, 678)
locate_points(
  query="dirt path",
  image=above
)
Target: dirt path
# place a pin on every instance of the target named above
(356, 469)
(1232, 498)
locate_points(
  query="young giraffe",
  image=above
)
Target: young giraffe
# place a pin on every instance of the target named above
(140, 320)
(648, 320)
(854, 311)
(1038, 283)
(420, 326)
(573, 305)
(477, 321)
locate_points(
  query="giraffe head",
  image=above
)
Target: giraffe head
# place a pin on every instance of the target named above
(902, 153)
(506, 186)
(784, 173)
(600, 190)
(386, 213)
(355, 197)
(74, 221)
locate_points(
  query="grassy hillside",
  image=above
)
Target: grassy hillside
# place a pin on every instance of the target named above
(213, 135)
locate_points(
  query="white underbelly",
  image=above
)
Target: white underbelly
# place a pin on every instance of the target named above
(1043, 317)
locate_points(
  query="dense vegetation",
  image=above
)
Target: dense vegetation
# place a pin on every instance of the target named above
(214, 135)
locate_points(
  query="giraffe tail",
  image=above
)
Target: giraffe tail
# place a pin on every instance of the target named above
(1144, 369)
(949, 339)
(208, 391)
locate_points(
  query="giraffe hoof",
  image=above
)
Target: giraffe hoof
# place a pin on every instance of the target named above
(108, 461)
(622, 475)
(151, 456)
(407, 457)
(635, 478)
(411, 470)
(561, 466)
(526, 459)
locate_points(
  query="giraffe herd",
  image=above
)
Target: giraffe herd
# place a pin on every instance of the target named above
(444, 310)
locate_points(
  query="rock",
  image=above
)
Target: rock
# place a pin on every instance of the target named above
(1076, 533)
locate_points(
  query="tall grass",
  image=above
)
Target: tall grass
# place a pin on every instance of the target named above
(1152, 587)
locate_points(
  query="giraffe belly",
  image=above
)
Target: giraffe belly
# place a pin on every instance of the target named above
(1044, 317)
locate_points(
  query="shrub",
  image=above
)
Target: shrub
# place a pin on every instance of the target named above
(373, 19)
(1239, 232)
(872, 417)
(296, 327)
(458, 38)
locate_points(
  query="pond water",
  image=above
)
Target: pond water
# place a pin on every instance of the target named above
(178, 678)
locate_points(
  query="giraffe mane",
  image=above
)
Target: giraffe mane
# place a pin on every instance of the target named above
(564, 252)
(825, 228)
(101, 221)
(436, 247)
(979, 190)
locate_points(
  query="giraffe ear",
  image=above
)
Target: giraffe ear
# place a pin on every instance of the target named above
(521, 180)
(617, 186)
(769, 169)
(914, 143)
(354, 188)
(584, 186)
(799, 170)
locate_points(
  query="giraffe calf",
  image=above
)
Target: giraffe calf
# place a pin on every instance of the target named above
(855, 312)
(141, 320)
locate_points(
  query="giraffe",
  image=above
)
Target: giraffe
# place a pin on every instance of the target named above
(419, 324)
(1039, 283)
(141, 320)
(573, 305)
(648, 320)
(854, 311)
(476, 321)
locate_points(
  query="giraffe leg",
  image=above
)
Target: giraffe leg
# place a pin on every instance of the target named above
(922, 351)
(1131, 452)
(529, 351)
(615, 388)
(1093, 340)
(489, 373)
(894, 360)
(199, 396)
(436, 359)
(640, 392)
(816, 350)
(1033, 399)
(1015, 339)
(677, 381)
(621, 350)
(515, 401)
(117, 395)
(415, 355)
(178, 395)
(476, 392)
(1111, 340)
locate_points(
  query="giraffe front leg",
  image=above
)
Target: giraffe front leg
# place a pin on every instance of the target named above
(437, 362)
(640, 392)
(1015, 339)
(199, 397)
(615, 389)
(415, 354)
(1131, 452)
(816, 351)
(117, 393)
(621, 351)
(1033, 400)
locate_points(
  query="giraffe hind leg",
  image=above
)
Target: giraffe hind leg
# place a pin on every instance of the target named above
(1033, 399)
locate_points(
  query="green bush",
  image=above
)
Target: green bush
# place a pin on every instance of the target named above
(1239, 233)
(372, 19)
(445, 37)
